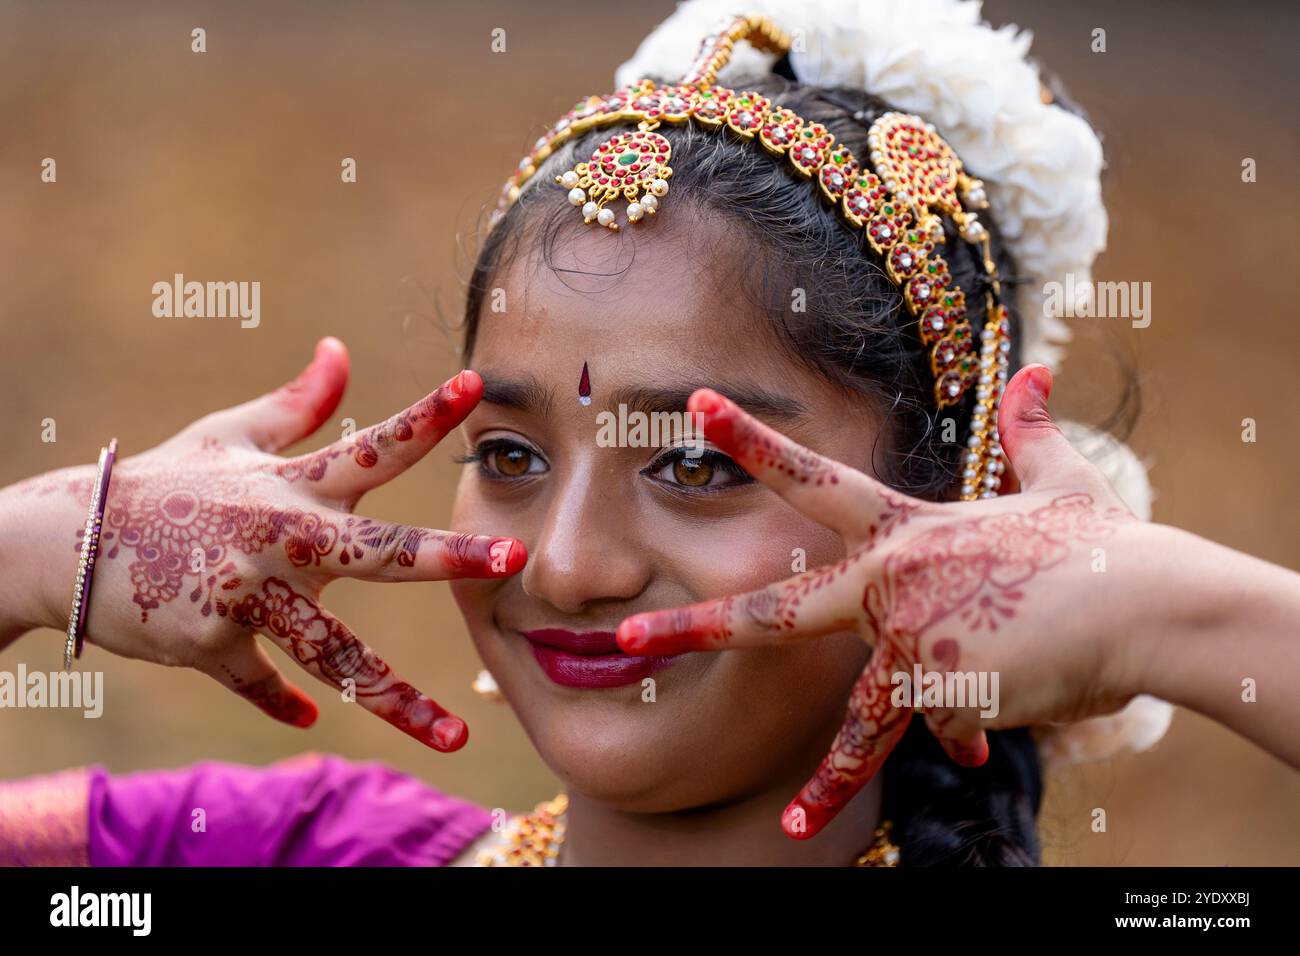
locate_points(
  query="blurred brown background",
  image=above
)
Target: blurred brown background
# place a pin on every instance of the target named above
(225, 166)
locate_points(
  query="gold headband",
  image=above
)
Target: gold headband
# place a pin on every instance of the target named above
(913, 179)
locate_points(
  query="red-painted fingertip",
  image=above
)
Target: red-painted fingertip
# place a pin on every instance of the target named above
(331, 354)
(304, 712)
(329, 343)
(974, 754)
(798, 823)
(466, 384)
(631, 636)
(706, 401)
(506, 556)
(1039, 380)
(448, 733)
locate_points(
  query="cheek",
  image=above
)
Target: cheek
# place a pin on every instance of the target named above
(798, 690)
(475, 601)
(767, 546)
(475, 597)
(466, 507)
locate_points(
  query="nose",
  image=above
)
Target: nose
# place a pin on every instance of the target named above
(589, 549)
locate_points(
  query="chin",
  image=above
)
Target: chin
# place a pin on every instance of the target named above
(610, 754)
(686, 750)
(612, 745)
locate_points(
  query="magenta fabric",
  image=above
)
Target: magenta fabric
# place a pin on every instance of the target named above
(312, 810)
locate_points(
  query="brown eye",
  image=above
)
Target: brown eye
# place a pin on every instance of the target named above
(693, 472)
(512, 462)
(704, 474)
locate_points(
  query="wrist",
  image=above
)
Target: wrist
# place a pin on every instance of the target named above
(1164, 604)
(39, 521)
(1195, 596)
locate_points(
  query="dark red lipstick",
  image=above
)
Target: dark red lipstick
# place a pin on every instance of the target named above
(589, 658)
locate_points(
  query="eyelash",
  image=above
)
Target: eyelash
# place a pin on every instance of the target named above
(715, 459)
(484, 449)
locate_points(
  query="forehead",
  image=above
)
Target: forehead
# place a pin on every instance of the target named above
(656, 295)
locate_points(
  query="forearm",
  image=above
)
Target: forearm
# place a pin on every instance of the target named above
(39, 520)
(1228, 645)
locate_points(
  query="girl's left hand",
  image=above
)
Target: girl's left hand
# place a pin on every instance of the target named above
(1043, 589)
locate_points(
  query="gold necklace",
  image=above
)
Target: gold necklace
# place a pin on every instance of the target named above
(534, 839)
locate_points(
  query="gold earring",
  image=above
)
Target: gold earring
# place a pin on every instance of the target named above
(485, 686)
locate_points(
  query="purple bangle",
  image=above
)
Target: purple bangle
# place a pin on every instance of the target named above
(89, 551)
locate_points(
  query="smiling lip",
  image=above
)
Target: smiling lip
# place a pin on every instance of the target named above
(589, 658)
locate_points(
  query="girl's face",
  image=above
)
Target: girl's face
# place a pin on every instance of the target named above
(612, 531)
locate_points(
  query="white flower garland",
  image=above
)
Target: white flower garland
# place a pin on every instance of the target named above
(1041, 166)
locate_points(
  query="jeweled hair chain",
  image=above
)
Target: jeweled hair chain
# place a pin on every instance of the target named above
(897, 200)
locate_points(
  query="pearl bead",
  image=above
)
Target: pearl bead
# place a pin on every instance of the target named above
(659, 187)
(569, 179)
(650, 203)
(634, 212)
(589, 211)
(577, 196)
(605, 217)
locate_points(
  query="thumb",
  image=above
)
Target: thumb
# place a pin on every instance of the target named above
(1035, 447)
(293, 411)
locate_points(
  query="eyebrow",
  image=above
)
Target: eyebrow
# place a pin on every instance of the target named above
(528, 394)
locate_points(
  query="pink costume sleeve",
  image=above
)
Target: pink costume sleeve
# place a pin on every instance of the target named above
(310, 810)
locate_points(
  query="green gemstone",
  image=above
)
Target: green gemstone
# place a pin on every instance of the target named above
(627, 159)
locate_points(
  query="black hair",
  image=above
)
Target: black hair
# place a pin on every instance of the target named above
(855, 330)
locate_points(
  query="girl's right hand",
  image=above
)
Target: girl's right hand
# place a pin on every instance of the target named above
(212, 536)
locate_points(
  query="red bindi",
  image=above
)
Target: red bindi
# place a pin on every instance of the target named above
(584, 386)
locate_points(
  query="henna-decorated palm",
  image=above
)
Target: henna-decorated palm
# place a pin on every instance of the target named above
(994, 585)
(212, 536)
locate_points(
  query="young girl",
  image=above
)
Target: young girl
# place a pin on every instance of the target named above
(706, 645)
